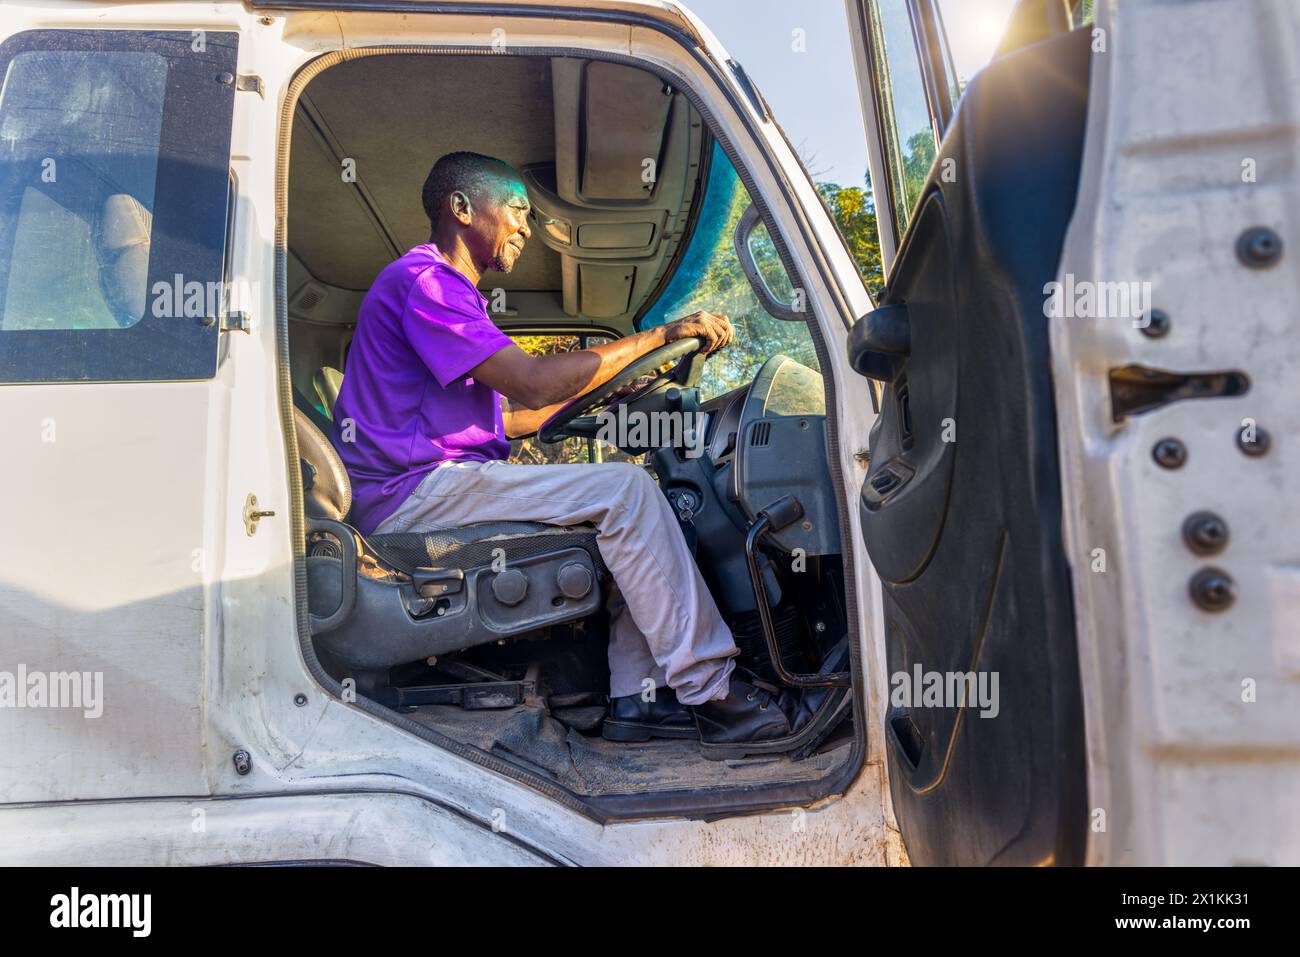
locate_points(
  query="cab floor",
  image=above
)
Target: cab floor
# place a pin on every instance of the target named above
(587, 764)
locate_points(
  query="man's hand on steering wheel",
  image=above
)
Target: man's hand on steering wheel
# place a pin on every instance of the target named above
(696, 335)
(714, 329)
(547, 393)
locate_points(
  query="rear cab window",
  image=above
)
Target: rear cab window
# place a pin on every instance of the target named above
(114, 188)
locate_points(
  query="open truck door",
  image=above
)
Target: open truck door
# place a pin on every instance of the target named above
(961, 505)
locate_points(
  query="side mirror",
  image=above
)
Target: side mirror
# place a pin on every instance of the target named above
(763, 268)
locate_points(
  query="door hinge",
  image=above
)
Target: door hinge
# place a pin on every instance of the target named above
(252, 515)
(236, 322)
(250, 83)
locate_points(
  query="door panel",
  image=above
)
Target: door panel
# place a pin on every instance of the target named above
(961, 506)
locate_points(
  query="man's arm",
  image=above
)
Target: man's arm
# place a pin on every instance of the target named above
(536, 386)
(520, 421)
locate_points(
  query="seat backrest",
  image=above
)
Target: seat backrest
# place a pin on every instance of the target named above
(327, 382)
(327, 491)
(123, 242)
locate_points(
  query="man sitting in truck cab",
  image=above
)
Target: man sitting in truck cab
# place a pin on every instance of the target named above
(433, 391)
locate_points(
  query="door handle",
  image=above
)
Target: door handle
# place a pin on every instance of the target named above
(880, 342)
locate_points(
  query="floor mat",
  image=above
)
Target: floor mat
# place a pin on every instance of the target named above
(590, 765)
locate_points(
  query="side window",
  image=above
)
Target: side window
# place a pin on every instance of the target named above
(710, 278)
(114, 181)
(902, 106)
(531, 451)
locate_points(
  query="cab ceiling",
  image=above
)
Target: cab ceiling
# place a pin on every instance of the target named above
(583, 133)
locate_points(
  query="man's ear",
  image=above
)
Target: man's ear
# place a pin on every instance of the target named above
(460, 207)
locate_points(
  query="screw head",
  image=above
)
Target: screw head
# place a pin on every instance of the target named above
(1260, 446)
(225, 78)
(243, 762)
(1259, 247)
(1212, 589)
(1157, 326)
(1205, 533)
(300, 699)
(1169, 453)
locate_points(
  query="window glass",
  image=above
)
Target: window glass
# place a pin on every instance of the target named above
(854, 210)
(79, 137)
(113, 203)
(795, 53)
(710, 279)
(901, 102)
(770, 268)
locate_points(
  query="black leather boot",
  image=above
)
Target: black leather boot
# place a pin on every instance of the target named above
(756, 718)
(631, 719)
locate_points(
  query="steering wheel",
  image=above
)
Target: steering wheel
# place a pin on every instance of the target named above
(576, 418)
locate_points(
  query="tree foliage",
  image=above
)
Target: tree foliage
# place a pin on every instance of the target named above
(854, 210)
(533, 451)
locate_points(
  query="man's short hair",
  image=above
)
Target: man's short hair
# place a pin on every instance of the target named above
(471, 173)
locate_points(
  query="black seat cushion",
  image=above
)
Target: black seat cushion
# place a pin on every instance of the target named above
(474, 545)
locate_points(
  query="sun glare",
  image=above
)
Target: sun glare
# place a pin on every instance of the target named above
(974, 28)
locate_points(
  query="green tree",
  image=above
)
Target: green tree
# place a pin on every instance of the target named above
(854, 210)
(532, 451)
(916, 166)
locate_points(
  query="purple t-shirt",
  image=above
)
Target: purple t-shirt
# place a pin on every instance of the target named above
(407, 404)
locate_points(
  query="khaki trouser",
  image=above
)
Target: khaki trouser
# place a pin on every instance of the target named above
(664, 624)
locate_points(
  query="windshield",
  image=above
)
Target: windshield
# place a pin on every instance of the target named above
(710, 278)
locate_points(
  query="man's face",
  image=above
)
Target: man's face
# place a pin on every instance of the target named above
(501, 221)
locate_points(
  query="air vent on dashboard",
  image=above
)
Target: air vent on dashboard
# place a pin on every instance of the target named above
(759, 434)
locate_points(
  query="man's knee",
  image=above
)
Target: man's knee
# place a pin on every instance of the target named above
(631, 487)
(635, 479)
